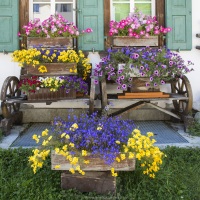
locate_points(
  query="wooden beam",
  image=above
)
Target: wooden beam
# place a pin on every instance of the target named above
(134, 106)
(164, 110)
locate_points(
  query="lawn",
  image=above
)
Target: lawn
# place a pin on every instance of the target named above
(179, 178)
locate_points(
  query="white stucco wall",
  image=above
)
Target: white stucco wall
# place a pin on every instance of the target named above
(9, 68)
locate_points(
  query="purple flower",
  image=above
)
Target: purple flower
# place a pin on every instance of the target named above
(147, 84)
(124, 86)
(96, 82)
(156, 72)
(162, 82)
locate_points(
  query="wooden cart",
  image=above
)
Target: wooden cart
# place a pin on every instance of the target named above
(181, 96)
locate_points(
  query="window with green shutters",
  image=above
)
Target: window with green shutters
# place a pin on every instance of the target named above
(9, 25)
(179, 17)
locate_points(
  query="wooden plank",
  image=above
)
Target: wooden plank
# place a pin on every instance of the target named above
(160, 14)
(142, 93)
(96, 164)
(164, 110)
(92, 95)
(121, 41)
(131, 107)
(52, 69)
(23, 20)
(104, 100)
(98, 182)
(45, 42)
(144, 96)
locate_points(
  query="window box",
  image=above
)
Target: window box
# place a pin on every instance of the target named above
(121, 41)
(52, 69)
(62, 42)
(46, 94)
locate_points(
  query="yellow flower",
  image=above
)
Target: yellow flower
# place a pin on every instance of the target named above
(64, 147)
(86, 161)
(71, 144)
(84, 153)
(72, 170)
(50, 137)
(45, 142)
(123, 156)
(57, 166)
(36, 138)
(150, 134)
(67, 136)
(63, 135)
(42, 69)
(45, 132)
(57, 150)
(99, 128)
(117, 142)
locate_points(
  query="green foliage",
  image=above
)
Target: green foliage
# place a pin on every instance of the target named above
(194, 129)
(178, 179)
(1, 134)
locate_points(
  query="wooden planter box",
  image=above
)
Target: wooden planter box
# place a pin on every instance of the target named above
(97, 176)
(96, 164)
(52, 69)
(63, 42)
(138, 85)
(46, 94)
(123, 41)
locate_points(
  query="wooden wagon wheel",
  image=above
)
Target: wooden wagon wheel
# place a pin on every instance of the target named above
(182, 86)
(10, 90)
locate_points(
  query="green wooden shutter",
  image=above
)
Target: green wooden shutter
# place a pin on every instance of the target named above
(90, 15)
(179, 18)
(9, 25)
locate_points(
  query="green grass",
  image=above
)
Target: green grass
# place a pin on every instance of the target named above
(178, 179)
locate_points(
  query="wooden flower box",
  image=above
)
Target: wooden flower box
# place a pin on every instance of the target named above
(62, 42)
(46, 94)
(123, 41)
(139, 85)
(52, 69)
(97, 176)
(96, 164)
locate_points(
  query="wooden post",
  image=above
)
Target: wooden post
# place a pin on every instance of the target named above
(104, 99)
(92, 96)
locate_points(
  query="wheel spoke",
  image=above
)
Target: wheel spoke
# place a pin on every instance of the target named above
(182, 86)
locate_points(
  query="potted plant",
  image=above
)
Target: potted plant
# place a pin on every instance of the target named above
(91, 143)
(53, 31)
(45, 61)
(157, 65)
(136, 30)
(52, 88)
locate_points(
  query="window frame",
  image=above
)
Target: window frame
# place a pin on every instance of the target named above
(52, 7)
(132, 2)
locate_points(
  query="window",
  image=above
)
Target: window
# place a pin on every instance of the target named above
(121, 8)
(42, 9)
